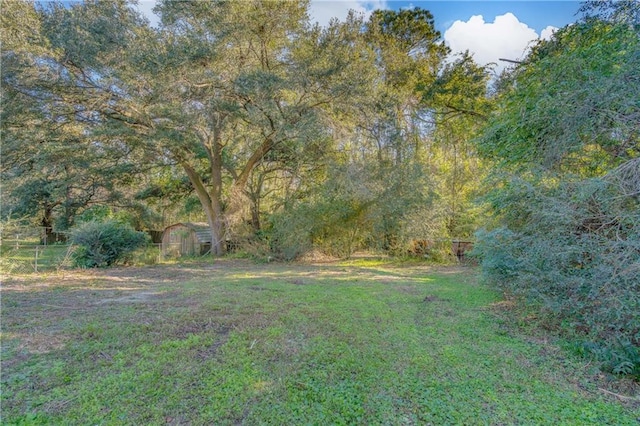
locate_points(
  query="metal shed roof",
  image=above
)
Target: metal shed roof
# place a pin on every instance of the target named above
(201, 230)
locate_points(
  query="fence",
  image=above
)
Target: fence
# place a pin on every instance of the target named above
(26, 257)
(35, 249)
(35, 235)
(20, 257)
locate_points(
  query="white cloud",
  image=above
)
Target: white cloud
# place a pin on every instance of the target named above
(505, 37)
(322, 11)
(548, 32)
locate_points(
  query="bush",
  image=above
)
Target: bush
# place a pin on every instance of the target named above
(102, 244)
(289, 232)
(565, 187)
(574, 250)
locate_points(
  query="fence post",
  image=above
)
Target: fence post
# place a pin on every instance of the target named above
(36, 262)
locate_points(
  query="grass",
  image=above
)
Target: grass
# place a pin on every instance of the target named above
(232, 342)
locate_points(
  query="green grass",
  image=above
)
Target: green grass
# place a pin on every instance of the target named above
(360, 342)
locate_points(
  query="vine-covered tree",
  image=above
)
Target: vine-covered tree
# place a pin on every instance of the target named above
(565, 141)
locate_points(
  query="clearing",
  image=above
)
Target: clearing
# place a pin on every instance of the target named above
(233, 342)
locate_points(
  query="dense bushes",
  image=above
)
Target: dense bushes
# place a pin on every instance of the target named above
(575, 253)
(102, 244)
(360, 206)
(565, 189)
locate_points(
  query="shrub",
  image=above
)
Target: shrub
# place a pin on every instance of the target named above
(102, 244)
(565, 186)
(574, 250)
(289, 232)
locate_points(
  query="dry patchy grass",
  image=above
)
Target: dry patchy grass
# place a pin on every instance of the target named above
(366, 341)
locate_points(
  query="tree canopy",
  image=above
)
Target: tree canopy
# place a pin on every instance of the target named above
(246, 99)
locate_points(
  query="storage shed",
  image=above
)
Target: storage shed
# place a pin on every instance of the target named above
(186, 239)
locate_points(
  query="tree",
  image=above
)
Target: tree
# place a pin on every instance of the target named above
(219, 89)
(423, 111)
(246, 108)
(409, 53)
(460, 106)
(50, 168)
(565, 143)
(619, 11)
(389, 182)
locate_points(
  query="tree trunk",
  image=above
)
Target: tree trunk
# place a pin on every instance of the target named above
(212, 206)
(218, 243)
(254, 194)
(47, 224)
(255, 215)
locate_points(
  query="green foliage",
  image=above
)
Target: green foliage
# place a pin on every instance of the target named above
(358, 206)
(146, 255)
(102, 244)
(234, 110)
(410, 49)
(573, 249)
(572, 107)
(622, 358)
(289, 233)
(564, 192)
(95, 214)
(336, 228)
(622, 11)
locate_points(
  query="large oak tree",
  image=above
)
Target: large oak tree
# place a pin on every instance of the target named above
(218, 89)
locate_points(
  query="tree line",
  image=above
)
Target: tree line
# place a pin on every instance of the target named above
(247, 113)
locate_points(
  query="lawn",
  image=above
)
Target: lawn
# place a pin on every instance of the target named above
(233, 342)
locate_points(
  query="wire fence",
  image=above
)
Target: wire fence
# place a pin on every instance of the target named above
(26, 249)
(26, 257)
(39, 250)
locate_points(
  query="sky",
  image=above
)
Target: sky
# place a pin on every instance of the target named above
(490, 30)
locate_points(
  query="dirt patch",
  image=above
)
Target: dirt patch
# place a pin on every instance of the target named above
(503, 305)
(201, 326)
(42, 343)
(147, 275)
(212, 350)
(407, 289)
(433, 298)
(140, 297)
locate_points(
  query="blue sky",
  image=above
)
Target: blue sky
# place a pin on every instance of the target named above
(536, 14)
